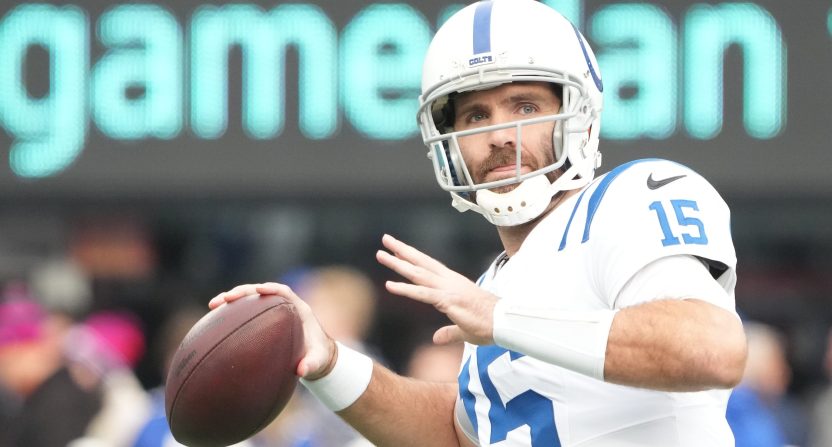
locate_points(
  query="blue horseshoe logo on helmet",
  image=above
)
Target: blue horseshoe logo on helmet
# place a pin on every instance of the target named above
(595, 77)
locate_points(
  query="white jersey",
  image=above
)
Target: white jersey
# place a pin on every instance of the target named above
(580, 257)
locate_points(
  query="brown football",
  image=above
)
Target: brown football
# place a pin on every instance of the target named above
(234, 371)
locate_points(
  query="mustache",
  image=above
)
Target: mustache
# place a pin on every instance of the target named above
(504, 157)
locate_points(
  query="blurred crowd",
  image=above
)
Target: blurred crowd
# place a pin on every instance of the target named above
(68, 369)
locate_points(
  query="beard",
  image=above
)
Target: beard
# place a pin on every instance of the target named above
(508, 156)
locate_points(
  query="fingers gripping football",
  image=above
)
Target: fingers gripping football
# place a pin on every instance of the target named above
(320, 350)
(469, 307)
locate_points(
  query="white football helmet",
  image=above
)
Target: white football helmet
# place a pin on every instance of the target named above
(491, 43)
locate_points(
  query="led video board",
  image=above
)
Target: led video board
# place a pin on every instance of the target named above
(191, 98)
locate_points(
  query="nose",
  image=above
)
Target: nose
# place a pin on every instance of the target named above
(503, 138)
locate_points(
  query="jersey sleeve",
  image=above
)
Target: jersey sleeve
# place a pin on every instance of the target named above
(678, 277)
(650, 209)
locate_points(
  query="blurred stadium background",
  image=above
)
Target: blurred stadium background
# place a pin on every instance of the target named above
(155, 154)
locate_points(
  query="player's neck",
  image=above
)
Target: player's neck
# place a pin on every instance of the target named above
(513, 237)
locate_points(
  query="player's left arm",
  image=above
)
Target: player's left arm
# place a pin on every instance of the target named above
(668, 344)
(664, 257)
(683, 339)
(675, 345)
(669, 324)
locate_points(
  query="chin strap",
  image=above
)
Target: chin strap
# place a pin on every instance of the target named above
(529, 200)
(517, 206)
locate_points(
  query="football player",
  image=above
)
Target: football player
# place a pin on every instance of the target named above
(609, 318)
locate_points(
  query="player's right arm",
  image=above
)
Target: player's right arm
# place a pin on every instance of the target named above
(400, 411)
(393, 410)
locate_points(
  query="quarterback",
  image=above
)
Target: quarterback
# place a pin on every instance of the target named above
(608, 320)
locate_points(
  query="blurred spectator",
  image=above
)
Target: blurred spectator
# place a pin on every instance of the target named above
(61, 285)
(822, 409)
(435, 363)
(103, 351)
(344, 300)
(50, 406)
(20, 329)
(760, 412)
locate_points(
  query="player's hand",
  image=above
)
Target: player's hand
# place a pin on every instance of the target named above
(321, 351)
(466, 304)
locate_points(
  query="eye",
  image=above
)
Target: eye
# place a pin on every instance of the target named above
(527, 109)
(476, 117)
(471, 118)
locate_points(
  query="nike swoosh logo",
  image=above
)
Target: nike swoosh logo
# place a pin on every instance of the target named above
(656, 184)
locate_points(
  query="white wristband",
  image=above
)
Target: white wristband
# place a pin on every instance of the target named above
(347, 381)
(576, 340)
